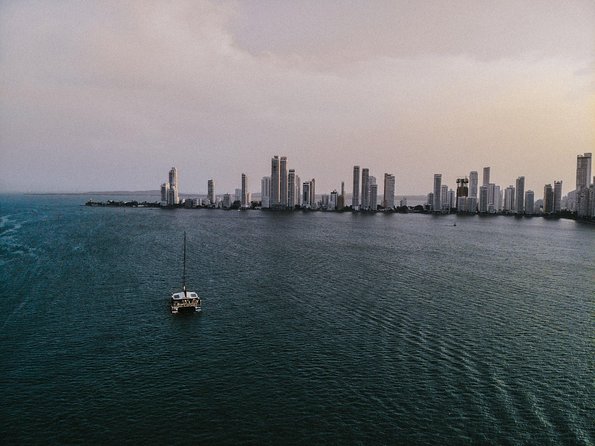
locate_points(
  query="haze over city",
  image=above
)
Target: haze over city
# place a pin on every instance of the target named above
(110, 95)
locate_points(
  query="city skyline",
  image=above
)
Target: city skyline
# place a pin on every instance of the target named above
(283, 190)
(101, 96)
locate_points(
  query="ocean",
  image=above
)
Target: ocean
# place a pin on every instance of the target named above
(317, 328)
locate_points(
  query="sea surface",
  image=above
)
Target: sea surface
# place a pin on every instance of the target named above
(317, 328)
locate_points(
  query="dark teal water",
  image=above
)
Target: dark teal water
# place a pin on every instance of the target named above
(317, 328)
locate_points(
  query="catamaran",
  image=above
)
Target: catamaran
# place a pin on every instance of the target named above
(185, 301)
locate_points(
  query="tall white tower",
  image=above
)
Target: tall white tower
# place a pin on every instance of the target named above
(172, 196)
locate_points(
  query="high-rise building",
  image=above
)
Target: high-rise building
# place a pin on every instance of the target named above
(313, 203)
(334, 198)
(493, 197)
(583, 170)
(548, 199)
(373, 204)
(437, 204)
(529, 202)
(583, 180)
(275, 183)
(557, 196)
(389, 191)
(211, 191)
(306, 195)
(450, 199)
(483, 199)
(473, 183)
(172, 195)
(245, 200)
(462, 192)
(519, 200)
(341, 198)
(164, 192)
(497, 199)
(291, 189)
(444, 197)
(471, 205)
(355, 196)
(365, 197)
(461, 205)
(509, 195)
(237, 196)
(226, 201)
(283, 189)
(298, 191)
(430, 200)
(486, 176)
(265, 192)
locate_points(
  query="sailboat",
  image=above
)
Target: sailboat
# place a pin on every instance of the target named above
(185, 301)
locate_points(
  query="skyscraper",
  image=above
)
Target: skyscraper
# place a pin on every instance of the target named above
(473, 182)
(486, 176)
(583, 171)
(373, 205)
(313, 203)
(275, 183)
(483, 199)
(245, 201)
(529, 202)
(334, 198)
(265, 192)
(462, 193)
(298, 191)
(450, 199)
(557, 196)
(341, 198)
(291, 189)
(306, 195)
(520, 196)
(437, 205)
(365, 203)
(583, 180)
(509, 196)
(444, 197)
(283, 189)
(211, 191)
(548, 199)
(172, 198)
(389, 191)
(164, 192)
(355, 196)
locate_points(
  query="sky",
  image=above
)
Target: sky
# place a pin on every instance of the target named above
(110, 95)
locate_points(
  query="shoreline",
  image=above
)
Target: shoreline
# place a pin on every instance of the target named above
(410, 210)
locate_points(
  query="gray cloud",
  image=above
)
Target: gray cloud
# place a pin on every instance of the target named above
(109, 95)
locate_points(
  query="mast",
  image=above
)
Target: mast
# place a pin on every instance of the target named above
(184, 273)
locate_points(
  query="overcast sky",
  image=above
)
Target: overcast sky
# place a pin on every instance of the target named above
(109, 95)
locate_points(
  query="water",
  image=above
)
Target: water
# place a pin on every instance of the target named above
(317, 328)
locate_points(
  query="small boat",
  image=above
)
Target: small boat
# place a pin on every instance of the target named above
(185, 301)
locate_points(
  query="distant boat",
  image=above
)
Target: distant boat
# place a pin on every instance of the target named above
(185, 301)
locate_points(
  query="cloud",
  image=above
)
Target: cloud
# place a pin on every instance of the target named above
(110, 95)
